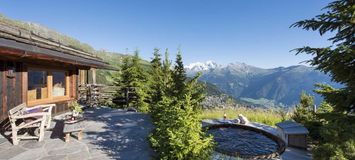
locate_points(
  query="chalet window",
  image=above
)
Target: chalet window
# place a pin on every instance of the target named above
(37, 85)
(59, 84)
(46, 86)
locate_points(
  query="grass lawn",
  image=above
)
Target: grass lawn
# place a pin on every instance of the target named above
(269, 117)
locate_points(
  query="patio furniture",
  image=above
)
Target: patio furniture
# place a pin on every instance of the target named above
(73, 126)
(21, 117)
(47, 108)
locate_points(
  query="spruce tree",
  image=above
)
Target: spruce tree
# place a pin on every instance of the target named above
(163, 87)
(338, 60)
(178, 134)
(167, 74)
(304, 110)
(157, 77)
(179, 75)
(156, 82)
(124, 78)
(182, 85)
(305, 115)
(132, 75)
(197, 91)
(140, 83)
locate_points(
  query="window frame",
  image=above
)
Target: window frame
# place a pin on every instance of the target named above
(50, 98)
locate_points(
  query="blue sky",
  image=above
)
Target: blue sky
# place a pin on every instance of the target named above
(252, 31)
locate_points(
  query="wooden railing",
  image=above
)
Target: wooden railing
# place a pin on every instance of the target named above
(125, 96)
(94, 95)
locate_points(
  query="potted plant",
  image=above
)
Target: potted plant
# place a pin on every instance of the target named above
(75, 108)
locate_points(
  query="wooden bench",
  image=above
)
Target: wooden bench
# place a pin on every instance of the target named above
(22, 117)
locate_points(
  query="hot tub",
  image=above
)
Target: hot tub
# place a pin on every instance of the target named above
(245, 141)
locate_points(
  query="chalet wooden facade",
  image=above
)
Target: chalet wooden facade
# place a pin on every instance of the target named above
(37, 69)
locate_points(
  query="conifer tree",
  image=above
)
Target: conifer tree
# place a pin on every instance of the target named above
(338, 60)
(156, 82)
(178, 134)
(132, 75)
(157, 77)
(197, 91)
(140, 83)
(124, 78)
(167, 74)
(179, 75)
(305, 115)
(304, 110)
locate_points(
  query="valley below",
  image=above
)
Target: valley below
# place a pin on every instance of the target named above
(247, 85)
(258, 87)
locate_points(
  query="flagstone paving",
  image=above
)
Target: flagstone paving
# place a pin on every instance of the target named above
(109, 134)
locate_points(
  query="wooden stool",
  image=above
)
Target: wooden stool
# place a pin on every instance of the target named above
(73, 127)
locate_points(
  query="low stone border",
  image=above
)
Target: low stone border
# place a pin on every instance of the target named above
(281, 144)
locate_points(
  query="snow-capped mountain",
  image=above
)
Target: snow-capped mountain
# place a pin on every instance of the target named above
(199, 66)
(207, 66)
(243, 81)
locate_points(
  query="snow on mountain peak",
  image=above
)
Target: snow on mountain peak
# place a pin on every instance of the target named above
(199, 66)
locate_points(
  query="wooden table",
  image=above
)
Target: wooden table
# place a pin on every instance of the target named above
(73, 127)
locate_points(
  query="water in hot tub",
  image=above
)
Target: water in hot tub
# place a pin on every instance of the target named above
(245, 142)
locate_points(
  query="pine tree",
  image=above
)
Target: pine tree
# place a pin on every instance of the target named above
(304, 110)
(182, 85)
(178, 134)
(133, 76)
(338, 60)
(157, 77)
(197, 91)
(167, 74)
(179, 75)
(305, 115)
(124, 78)
(140, 83)
(162, 87)
(156, 83)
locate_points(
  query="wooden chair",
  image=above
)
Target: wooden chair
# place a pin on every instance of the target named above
(47, 108)
(21, 118)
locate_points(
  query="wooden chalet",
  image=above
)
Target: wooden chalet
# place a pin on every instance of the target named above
(38, 69)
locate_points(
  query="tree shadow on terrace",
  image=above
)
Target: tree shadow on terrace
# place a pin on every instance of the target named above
(119, 134)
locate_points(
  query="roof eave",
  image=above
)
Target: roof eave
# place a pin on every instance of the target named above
(38, 52)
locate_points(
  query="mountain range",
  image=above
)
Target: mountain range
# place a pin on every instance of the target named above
(280, 86)
(248, 84)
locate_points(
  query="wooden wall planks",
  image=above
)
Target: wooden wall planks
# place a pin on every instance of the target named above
(4, 90)
(13, 89)
(2, 68)
(18, 85)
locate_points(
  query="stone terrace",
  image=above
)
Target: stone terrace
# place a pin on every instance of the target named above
(109, 134)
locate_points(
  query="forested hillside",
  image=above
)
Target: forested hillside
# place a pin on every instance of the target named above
(270, 87)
